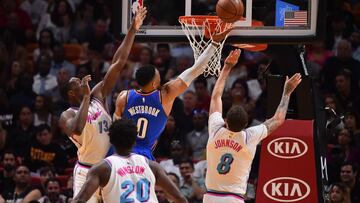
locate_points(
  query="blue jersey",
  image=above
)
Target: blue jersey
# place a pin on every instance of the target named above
(148, 114)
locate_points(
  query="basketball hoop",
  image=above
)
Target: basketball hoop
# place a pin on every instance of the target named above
(199, 30)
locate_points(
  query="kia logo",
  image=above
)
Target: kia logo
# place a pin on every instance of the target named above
(286, 189)
(287, 147)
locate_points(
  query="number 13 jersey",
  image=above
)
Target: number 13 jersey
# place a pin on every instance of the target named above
(131, 180)
(147, 112)
(229, 155)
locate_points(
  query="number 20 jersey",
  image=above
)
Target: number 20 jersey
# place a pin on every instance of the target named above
(131, 180)
(147, 112)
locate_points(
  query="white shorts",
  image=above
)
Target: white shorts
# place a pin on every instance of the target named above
(80, 173)
(216, 198)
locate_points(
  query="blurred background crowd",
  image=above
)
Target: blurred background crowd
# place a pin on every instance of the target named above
(45, 42)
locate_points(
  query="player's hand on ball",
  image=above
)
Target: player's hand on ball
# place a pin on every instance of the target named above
(219, 35)
(233, 58)
(85, 85)
(292, 83)
(139, 18)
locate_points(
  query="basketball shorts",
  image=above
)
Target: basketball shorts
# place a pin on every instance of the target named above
(80, 173)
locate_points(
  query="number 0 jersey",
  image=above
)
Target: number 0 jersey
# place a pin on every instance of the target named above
(131, 180)
(93, 143)
(229, 156)
(147, 112)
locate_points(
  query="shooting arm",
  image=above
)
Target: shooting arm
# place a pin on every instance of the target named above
(279, 117)
(73, 123)
(216, 102)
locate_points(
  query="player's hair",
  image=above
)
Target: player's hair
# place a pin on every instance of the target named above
(64, 90)
(123, 134)
(145, 74)
(236, 118)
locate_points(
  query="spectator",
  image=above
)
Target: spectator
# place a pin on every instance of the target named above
(45, 174)
(61, 17)
(35, 9)
(11, 51)
(100, 39)
(44, 82)
(52, 188)
(176, 154)
(3, 139)
(59, 62)
(338, 32)
(46, 44)
(202, 93)
(15, 72)
(174, 178)
(7, 183)
(318, 54)
(60, 104)
(351, 121)
(24, 95)
(171, 132)
(160, 194)
(339, 193)
(346, 97)
(348, 176)
(43, 152)
(197, 139)
(164, 62)
(185, 123)
(240, 93)
(23, 132)
(192, 189)
(43, 112)
(332, 102)
(24, 191)
(145, 58)
(6, 113)
(341, 61)
(355, 43)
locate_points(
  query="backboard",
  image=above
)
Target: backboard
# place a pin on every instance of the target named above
(265, 21)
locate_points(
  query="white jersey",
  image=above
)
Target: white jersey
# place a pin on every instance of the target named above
(93, 143)
(131, 180)
(229, 155)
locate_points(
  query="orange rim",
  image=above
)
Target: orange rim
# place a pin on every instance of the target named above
(198, 19)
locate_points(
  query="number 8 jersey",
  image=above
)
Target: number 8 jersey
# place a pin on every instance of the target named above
(229, 156)
(131, 180)
(147, 112)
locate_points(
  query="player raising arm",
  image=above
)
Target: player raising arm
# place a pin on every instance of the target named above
(87, 121)
(231, 148)
(126, 176)
(150, 105)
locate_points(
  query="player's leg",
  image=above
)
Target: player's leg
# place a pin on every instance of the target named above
(208, 198)
(80, 173)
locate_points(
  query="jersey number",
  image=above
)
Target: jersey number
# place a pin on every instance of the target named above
(103, 126)
(225, 161)
(142, 124)
(142, 191)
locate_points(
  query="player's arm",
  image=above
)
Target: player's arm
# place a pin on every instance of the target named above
(73, 123)
(121, 55)
(98, 175)
(230, 62)
(120, 104)
(166, 184)
(279, 117)
(175, 87)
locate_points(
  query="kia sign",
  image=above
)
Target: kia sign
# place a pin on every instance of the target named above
(287, 147)
(286, 189)
(287, 171)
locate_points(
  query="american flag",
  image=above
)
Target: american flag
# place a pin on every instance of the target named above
(295, 18)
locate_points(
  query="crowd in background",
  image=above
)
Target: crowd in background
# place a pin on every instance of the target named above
(45, 42)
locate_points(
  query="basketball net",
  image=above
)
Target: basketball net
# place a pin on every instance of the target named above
(199, 30)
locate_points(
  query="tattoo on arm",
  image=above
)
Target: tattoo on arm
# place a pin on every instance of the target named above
(278, 119)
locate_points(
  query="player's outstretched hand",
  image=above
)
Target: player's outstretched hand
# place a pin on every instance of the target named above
(292, 83)
(233, 58)
(218, 36)
(139, 18)
(85, 85)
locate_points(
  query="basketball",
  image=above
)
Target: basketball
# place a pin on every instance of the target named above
(230, 10)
